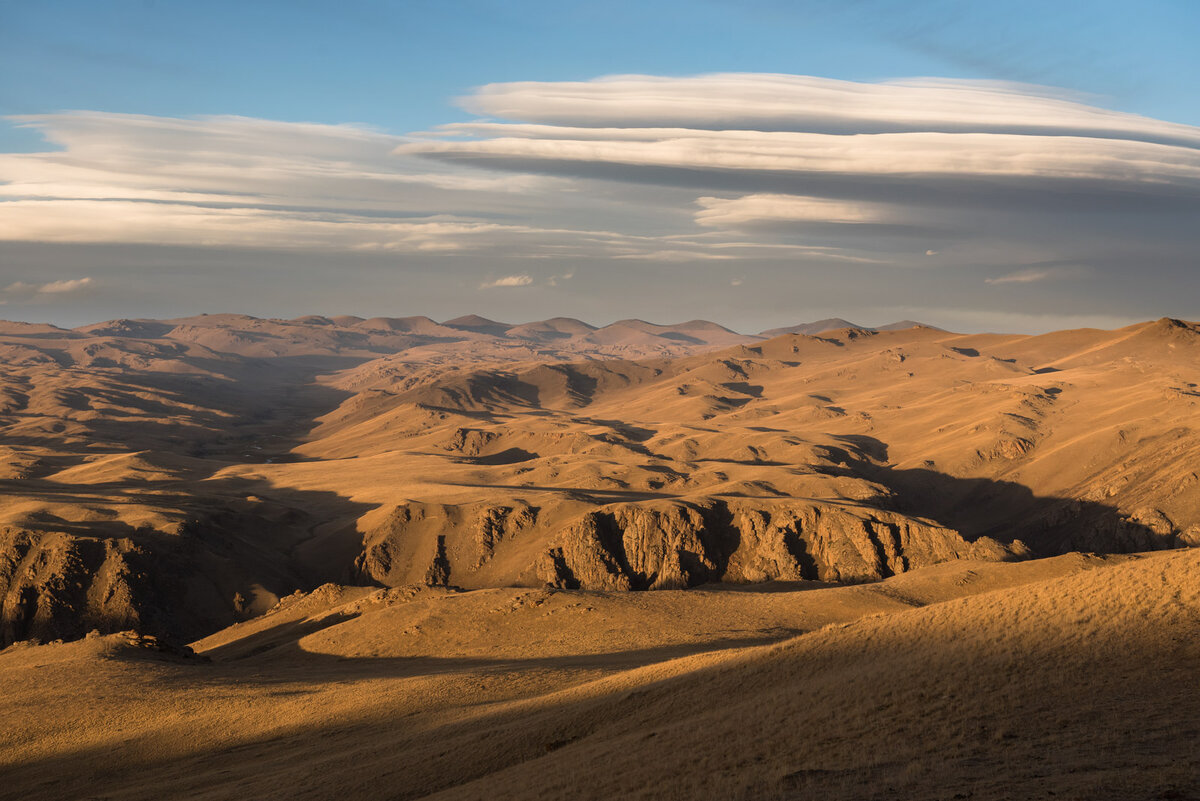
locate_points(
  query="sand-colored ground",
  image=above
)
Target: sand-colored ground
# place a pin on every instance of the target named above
(178, 476)
(1074, 677)
(404, 553)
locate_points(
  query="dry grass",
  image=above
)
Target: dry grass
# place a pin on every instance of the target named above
(1070, 679)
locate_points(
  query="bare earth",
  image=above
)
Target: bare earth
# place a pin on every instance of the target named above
(886, 563)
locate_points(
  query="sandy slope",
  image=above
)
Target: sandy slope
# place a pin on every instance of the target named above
(1072, 677)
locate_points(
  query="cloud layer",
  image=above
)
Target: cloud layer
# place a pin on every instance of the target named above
(998, 181)
(932, 141)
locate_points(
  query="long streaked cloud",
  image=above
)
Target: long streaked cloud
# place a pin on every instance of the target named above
(717, 212)
(240, 182)
(1021, 277)
(1034, 275)
(979, 172)
(798, 103)
(934, 140)
(742, 167)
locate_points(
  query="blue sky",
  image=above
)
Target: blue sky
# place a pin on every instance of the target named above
(399, 68)
(399, 65)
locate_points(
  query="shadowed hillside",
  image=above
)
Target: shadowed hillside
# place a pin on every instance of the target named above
(1070, 677)
(177, 476)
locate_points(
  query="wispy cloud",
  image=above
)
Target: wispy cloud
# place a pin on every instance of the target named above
(240, 182)
(508, 281)
(61, 287)
(24, 290)
(1034, 275)
(747, 210)
(1023, 277)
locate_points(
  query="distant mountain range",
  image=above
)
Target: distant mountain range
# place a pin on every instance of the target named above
(563, 337)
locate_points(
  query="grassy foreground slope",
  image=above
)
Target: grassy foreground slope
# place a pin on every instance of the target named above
(1073, 677)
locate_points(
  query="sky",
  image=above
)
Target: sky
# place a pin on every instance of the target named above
(1012, 166)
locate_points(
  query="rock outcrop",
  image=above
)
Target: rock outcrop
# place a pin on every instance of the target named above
(658, 544)
(432, 543)
(58, 585)
(675, 545)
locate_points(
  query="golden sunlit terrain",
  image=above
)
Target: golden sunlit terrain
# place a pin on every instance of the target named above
(395, 558)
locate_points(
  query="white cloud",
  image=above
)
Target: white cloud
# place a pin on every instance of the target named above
(855, 142)
(772, 102)
(750, 209)
(61, 287)
(808, 150)
(1009, 172)
(679, 255)
(768, 167)
(719, 156)
(1031, 276)
(240, 182)
(23, 290)
(51, 288)
(508, 281)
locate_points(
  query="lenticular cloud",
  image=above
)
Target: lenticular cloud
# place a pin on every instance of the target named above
(744, 166)
(813, 137)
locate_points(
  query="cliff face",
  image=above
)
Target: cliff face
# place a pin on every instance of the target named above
(57, 585)
(438, 543)
(660, 545)
(677, 545)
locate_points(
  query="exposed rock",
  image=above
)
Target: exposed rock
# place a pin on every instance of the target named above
(470, 441)
(1009, 448)
(396, 552)
(135, 643)
(56, 585)
(438, 572)
(1191, 537)
(498, 523)
(1079, 526)
(673, 544)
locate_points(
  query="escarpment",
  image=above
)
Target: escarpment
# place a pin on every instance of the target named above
(175, 584)
(55, 586)
(660, 545)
